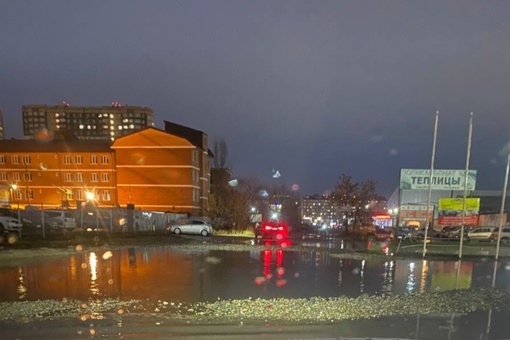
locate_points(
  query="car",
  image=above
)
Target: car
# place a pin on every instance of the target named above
(193, 226)
(9, 224)
(419, 234)
(64, 218)
(274, 230)
(481, 234)
(505, 235)
(403, 232)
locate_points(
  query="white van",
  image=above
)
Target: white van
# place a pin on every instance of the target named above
(65, 218)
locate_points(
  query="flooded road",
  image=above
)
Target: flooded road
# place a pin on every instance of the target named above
(192, 275)
(207, 275)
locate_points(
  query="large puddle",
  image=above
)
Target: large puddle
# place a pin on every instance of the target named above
(164, 273)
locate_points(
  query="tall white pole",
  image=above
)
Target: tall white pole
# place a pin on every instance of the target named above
(503, 198)
(431, 176)
(468, 154)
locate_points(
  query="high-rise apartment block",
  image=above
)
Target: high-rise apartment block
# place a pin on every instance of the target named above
(86, 122)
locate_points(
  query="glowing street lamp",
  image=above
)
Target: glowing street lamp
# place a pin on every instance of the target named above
(89, 195)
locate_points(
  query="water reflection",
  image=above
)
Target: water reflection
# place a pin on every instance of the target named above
(182, 275)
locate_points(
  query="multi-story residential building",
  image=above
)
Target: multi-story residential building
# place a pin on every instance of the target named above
(86, 122)
(151, 169)
(200, 140)
(59, 172)
(158, 170)
(320, 210)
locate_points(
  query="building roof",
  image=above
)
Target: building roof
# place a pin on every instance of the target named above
(53, 145)
(193, 136)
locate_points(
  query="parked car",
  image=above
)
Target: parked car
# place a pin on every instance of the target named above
(403, 232)
(481, 234)
(419, 234)
(9, 224)
(64, 218)
(505, 235)
(194, 226)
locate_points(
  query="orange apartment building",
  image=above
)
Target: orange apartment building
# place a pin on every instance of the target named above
(160, 171)
(151, 169)
(56, 172)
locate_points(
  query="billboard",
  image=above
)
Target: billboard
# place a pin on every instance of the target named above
(415, 212)
(450, 211)
(442, 179)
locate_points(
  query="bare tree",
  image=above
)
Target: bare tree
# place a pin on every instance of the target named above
(352, 197)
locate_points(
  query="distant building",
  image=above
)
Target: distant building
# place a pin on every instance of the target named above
(320, 210)
(1, 125)
(86, 122)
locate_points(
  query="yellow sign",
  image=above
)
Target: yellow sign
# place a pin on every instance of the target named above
(472, 204)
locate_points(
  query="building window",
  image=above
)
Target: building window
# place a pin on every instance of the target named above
(105, 159)
(93, 159)
(18, 194)
(2, 159)
(106, 195)
(93, 177)
(26, 159)
(79, 177)
(105, 177)
(30, 193)
(16, 176)
(78, 159)
(3, 176)
(68, 160)
(79, 195)
(68, 177)
(28, 177)
(15, 159)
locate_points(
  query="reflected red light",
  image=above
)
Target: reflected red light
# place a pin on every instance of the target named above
(279, 258)
(281, 282)
(268, 257)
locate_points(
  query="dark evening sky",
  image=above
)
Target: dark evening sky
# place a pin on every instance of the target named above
(312, 89)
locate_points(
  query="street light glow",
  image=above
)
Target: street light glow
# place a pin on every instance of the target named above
(89, 195)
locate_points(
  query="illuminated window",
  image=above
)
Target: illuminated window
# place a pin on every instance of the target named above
(94, 177)
(105, 177)
(78, 177)
(15, 159)
(26, 159)
(68, 160)
(78, 159)
(93, 159)
(28, 177)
